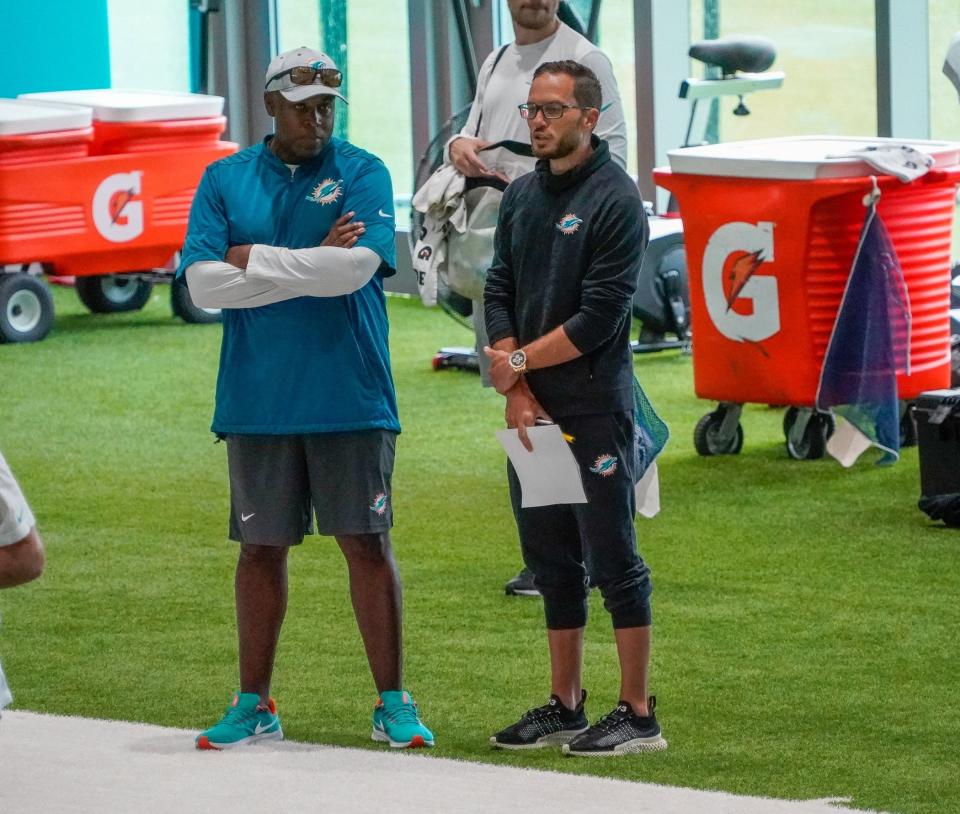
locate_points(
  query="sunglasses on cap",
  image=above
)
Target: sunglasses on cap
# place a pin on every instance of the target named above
(310, 75)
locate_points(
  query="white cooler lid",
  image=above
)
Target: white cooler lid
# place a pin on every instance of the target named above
(797, 158)
(118, 105)
(20, 118)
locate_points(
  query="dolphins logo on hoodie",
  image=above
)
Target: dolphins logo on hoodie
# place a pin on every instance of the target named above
(569, 224)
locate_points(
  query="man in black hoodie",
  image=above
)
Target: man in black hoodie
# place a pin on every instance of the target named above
(569, 243)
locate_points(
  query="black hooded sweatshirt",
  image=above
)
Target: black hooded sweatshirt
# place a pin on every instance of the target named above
(568, 252)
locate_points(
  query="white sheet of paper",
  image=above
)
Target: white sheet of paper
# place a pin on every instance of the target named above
(548, 475)
(847, 443)
(647, 491)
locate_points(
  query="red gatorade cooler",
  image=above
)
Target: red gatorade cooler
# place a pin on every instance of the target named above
(771, 228)
(133, 121)
(32, 132)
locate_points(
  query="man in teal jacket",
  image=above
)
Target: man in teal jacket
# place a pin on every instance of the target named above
(292, 238)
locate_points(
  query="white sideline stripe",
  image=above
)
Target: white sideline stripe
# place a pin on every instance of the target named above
(56, 764)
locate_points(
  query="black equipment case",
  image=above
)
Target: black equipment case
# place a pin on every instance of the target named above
(938, 435)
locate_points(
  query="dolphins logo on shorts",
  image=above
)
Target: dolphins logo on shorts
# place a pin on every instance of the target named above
(604, 466)
(379, 505)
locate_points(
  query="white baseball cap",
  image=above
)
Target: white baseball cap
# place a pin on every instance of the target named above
(325, 81)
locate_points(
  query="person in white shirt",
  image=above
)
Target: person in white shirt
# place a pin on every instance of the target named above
(21, 550)
(502, 85)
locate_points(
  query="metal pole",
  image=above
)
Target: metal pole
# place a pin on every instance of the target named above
(333, 30)
(593, 24)
(466, 44)
(422, 118)
(242, 48)
(903, 78)
(661, 42)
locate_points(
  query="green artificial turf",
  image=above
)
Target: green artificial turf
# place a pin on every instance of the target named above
(806, 616)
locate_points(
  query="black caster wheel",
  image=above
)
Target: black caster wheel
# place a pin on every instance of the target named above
(809, 442)
(113, 293)
(711, 438)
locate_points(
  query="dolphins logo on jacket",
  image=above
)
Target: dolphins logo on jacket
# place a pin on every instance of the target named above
(327, 191)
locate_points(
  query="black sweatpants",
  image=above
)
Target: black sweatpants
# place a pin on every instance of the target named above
(568, 546)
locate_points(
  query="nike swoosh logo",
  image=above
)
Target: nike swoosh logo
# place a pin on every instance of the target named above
(383, 214)
(20, 516)
(261, 728)
(245, 517)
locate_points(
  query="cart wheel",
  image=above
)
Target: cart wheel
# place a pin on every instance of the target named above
(182, 305)
(26, 308)
(113, 293)
(813, 443)
(707, 438)
(908, 428)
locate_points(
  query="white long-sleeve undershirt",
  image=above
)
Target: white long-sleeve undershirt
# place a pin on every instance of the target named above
(275, 274)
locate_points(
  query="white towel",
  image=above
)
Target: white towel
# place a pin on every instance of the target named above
(442, 191)
(900, 160)
(429, 256)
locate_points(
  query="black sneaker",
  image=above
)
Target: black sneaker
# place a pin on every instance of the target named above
(522, 585)
(549, 725)
(619, 733)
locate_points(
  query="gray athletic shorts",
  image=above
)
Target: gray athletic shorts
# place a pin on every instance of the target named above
(278, 481)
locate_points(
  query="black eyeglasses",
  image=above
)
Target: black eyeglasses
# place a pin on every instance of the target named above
(309, 74)
(550, 110)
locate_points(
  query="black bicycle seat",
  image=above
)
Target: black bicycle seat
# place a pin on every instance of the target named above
(732, 54)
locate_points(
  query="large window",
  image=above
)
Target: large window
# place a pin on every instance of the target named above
(616, 38)
(944, 104)
(378, 75)
(149, 45)
(827, 51)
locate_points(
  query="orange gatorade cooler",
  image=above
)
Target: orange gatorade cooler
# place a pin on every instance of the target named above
(33, 132)
(131, 121)
(114, 212)
(107, 204)
(771, 228)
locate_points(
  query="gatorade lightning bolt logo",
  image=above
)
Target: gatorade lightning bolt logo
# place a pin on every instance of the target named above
(569, 224)
(379, 505)
(327, 191)
(604, 466)
(740, 273)
(117, 214)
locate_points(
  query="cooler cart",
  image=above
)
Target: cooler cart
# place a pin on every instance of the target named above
(771, 228)
(31, 135)
(109, 206)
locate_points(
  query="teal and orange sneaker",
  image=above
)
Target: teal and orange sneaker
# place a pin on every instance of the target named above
(395, 721)
(242, 723)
